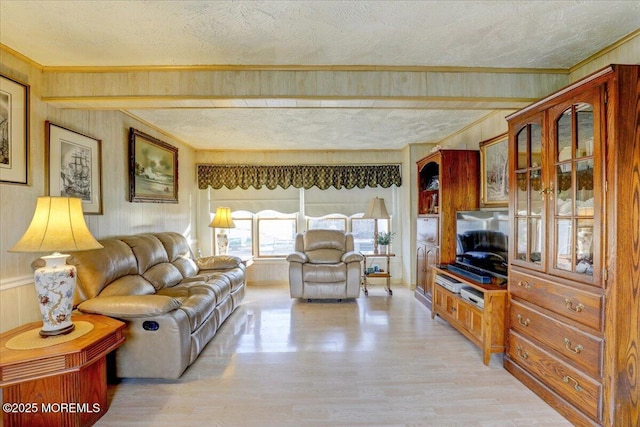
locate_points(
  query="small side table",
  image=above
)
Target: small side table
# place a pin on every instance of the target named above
(59, 385)
(385, 274)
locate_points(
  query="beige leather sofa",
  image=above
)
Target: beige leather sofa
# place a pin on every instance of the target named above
(172, 304)
(324, 266)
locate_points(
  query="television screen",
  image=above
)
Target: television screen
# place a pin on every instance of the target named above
(482, 240)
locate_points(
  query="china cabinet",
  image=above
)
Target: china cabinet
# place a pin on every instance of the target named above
(448, 181)
(574, 275)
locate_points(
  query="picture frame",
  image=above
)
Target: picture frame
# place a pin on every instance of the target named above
(494, 167)
(153, 169)
(14, 131)
(74, 166)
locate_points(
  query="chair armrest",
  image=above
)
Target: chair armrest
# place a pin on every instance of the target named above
(298, 257)
(352, 256)
(130, 306)
(218, 262)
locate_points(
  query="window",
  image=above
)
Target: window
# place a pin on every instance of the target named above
(276, 234)
(363, 231)
(241, 237)
(332, 222)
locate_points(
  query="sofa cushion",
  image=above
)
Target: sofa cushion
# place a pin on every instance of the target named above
(324, 256)
(132, 284)
(175, 244)
(97, 268)
(163, 275)
(185, 290)
(198, 307)
(324, 273)
(186, 266)
(147, 249)
(221, 262)
(132, 306)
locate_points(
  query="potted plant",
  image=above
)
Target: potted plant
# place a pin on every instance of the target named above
(384, 240)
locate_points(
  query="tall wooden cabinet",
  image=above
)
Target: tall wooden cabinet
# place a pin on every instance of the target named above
(448, 181)
(574, 274)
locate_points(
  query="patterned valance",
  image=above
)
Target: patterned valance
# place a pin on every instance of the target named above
(298, 176)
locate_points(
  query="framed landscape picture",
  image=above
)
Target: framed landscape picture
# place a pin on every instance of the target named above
(494, 156)
(74, 167)
(14, 131)
(153, 169)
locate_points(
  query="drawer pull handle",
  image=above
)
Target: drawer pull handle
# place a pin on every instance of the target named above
(576, 385)
(522, 353)
(524, 284)
(576, 350)
(578, 308)
(523, 322)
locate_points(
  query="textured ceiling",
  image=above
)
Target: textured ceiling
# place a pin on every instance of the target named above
(512, 34)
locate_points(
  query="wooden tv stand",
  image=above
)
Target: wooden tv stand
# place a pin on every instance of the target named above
(485, 327)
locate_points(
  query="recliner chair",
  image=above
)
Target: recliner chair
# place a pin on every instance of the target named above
(324, 266)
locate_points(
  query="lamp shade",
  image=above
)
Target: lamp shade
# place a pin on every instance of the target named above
(222, 219)
(376, 209)
(57, 226)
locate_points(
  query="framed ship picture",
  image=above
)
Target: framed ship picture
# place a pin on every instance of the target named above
(74, 167)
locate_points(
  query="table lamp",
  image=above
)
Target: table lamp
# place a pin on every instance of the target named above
(376, 210)
(58, 225)
(222, 221)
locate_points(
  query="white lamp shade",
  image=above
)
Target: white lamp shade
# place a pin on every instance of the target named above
(222, 219)
(376, 209)
(57, 226)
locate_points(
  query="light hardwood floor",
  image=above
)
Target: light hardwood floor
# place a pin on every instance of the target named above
(374, 361)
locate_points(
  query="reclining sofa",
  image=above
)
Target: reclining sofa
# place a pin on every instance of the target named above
(172, 303)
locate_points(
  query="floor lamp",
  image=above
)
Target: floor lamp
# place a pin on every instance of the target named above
(376, 210)
(57, 226)
(222, 221)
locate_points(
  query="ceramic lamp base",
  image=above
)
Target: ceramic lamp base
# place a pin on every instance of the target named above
(223, 242)
(55, 285)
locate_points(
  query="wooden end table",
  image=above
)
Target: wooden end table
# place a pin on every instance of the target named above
(59, 385)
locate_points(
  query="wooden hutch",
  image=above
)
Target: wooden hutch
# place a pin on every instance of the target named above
(448, 181)
(574, 256)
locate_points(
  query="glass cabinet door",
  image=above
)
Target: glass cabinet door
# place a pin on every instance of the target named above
(575, 188)
(529, 201)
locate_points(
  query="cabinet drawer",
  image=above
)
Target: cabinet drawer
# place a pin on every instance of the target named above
(583, 307)
(574, 386)
(584, 350)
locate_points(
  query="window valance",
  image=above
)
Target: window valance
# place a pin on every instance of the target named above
(298, 176)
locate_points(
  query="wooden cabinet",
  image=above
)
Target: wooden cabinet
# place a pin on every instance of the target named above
(448, 181)
(63, 384)
(484, 326)
(574, 278)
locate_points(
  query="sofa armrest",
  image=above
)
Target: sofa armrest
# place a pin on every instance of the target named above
(130, 306)
(298, 257)
(352, 256)
(218, 262)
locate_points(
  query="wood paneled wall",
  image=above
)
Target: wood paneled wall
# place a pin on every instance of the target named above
(17, 296)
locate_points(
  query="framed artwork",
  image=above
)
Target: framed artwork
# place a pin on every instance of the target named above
(494, 155)
(74, 167)
(14, 131)
(153, 169)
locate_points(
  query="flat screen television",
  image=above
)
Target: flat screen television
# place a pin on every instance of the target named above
(482, 241)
